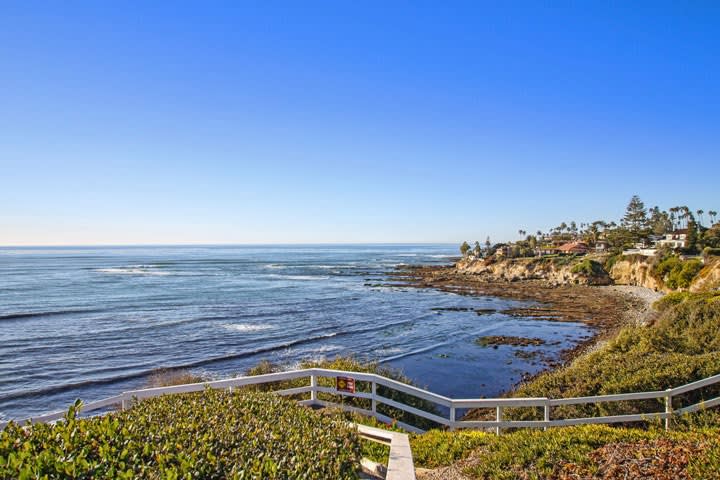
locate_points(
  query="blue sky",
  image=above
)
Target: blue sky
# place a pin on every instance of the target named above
(285, 122)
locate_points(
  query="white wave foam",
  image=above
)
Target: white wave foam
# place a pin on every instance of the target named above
(275, 266)
(389, 351)
(300, 277)
(134, 270)
(307, 277)
(335, 267)
(324, 349)
(247, 327)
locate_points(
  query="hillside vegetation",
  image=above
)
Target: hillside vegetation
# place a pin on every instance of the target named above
(208, 435)
(572, 453)
(683, 345)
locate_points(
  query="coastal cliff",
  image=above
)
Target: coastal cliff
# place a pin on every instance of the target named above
(708, 278)
(632, 270)
(555, 271)
(637, 271)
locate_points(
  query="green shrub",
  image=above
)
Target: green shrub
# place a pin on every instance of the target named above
(676, 273)
(611, 261)
(351, 364)
(588, 268)
(211, 435)
(683, 275)
(672, 299)
(711, 252)
(667, 265)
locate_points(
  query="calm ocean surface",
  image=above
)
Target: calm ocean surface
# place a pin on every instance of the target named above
(90, 322)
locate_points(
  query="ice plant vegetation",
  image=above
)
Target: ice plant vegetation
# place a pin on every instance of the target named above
(210, 435)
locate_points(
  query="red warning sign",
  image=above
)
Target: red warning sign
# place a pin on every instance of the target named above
(345, 384)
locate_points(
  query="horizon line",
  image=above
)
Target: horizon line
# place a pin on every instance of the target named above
(234, 244)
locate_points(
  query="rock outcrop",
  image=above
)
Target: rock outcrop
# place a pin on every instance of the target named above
(636, 270)
(633, 270)
(708, 278)
(557, 271)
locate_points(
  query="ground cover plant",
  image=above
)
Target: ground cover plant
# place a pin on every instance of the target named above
(569, 453)
(681, 346)
(596, 452)
(212, 435)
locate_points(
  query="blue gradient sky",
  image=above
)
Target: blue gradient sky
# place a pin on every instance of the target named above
(265, 122)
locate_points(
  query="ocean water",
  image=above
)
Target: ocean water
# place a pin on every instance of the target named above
(79, 322)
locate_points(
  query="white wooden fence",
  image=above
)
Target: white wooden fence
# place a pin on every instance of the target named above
(451, 406)
(399, 459)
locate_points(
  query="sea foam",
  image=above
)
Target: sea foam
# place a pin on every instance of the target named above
(246, 327)
(134, 270)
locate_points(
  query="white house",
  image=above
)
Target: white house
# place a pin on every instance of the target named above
(674, 239)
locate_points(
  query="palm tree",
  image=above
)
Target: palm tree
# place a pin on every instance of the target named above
(673, 211)
(684, 215)
(688, 216)
(712, 214)
(700, 215)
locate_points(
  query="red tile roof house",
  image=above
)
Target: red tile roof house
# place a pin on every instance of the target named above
(579, 248)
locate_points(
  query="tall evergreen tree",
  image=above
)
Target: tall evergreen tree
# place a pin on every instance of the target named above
(660, 222)
(635, 219)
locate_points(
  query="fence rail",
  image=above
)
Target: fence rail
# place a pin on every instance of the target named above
(448, 418)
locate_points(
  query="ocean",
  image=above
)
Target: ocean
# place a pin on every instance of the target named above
(90, 322)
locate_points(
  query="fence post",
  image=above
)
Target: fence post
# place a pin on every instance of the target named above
(547, 412)
(313, 388)
(498, 418)
(374, 399)
(668, 409)
(452, 417)
(123, 403)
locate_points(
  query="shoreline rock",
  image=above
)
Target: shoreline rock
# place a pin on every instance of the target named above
(604, 308)
(556, 270)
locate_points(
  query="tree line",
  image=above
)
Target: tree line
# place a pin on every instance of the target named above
(638, 225)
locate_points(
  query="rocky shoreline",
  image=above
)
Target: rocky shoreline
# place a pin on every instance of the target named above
(604, 308)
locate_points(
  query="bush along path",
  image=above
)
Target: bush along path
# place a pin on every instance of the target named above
(210, 435)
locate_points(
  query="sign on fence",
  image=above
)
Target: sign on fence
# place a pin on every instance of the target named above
(345, 384)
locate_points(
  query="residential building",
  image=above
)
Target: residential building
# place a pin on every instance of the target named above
(578, 248)
(673, 240)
